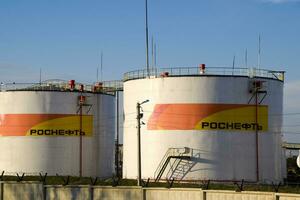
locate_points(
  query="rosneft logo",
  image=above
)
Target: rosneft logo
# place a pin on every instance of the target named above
(45, 125)
(226, 117)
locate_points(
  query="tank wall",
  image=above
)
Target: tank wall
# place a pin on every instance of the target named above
(221, 155)
(58, 154)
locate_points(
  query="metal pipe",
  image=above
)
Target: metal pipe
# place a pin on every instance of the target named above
(259, 52)
(256, 134)
(117, 143)
(101, 67)
(155, 50)
(138, 109)
(147, 40)
(40, 76)
(152, 52)
(233, 65)
(80, 140)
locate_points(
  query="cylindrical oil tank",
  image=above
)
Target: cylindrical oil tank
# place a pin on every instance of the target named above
(204, 126)
(57, 132)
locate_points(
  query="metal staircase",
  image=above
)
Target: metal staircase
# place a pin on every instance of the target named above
(180, 166)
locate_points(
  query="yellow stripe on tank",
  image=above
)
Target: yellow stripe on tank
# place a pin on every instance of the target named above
(237, 119)
(64, 126)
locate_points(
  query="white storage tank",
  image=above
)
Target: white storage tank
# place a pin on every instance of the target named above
(56, 132)
(205, 124)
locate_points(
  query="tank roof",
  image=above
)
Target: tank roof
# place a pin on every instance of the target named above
(198, 71)
(106, 87)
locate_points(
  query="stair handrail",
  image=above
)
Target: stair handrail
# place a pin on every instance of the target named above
(175, 163)
(170, 152)
(167, 154)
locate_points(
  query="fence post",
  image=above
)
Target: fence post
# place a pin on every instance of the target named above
(203, 194)
(44, 191)
(1, 188)
(143, 193)
(92, 192)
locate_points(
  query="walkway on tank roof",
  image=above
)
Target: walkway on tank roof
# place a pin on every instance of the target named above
(117, 85)
(291, 146)
(203, 71)
(107, 87)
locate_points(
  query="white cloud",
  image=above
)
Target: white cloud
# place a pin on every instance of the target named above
(281, 1)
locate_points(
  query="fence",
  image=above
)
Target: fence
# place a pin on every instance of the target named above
(117, 85)
(196, 71)
(39, 191)
(62, 85)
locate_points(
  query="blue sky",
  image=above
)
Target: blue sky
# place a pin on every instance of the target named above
(65, 38)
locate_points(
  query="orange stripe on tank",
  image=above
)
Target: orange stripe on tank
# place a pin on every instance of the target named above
(183, 116)
(19, 124)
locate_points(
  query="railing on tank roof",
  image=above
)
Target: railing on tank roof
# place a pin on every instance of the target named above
(196, 71)
(62, 85)
(115, 84)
